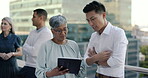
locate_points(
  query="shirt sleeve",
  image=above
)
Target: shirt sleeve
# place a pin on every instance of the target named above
(18, 42)
(119, 50)
(90, 45)
(41, 68)
(32, 50)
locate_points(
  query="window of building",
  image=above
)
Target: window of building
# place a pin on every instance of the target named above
(107, 0)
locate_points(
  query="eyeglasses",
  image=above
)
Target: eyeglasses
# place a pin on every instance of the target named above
(61, 30)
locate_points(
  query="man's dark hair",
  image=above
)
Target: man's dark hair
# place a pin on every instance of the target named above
(96, 6)
(41, 12)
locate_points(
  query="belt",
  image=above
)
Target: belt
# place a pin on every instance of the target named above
(98, 75)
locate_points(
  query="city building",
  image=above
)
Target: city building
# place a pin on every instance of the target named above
(141, 33)
(21, 11)
(119, 12)
(132, 55)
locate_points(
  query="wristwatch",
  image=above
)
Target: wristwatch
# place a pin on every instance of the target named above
(13, 53)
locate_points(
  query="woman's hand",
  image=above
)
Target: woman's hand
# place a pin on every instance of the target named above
(7, 56)
(2, 55)
(56, 72)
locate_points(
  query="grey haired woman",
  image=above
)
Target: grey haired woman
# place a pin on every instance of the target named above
(59, 46)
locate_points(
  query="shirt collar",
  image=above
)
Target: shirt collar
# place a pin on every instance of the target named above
(8, 37)
(38, 30)
(107, 29)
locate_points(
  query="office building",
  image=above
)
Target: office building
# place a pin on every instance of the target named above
(21, 11)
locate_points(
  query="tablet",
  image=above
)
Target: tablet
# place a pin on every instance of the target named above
(73, 64)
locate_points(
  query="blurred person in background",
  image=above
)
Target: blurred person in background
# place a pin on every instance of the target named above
(10, 47)
(33, 43)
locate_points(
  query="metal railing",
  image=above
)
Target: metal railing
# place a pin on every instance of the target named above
(136, 69)
(21, 63)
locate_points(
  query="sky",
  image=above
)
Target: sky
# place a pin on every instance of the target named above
(4, 8)
(139, 12)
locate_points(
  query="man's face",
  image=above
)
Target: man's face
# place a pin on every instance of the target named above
(35, 19)
(96, 20)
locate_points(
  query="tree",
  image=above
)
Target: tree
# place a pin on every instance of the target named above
(144, 50)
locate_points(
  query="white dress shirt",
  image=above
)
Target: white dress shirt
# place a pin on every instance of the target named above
(112, 39)
(33, 43)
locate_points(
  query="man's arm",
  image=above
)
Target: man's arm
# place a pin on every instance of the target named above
(100, 58)
(119, 50)
(103, 63)
(33, 50)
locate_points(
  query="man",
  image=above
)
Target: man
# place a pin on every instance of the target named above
(33, 43)
(107, 45)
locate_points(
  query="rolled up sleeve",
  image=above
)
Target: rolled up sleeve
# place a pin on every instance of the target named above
(119, 50)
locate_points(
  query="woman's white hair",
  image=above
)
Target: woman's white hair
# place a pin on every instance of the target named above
(57, 20)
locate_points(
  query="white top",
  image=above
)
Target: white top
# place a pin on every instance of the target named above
(33, 43)
(50, 52)
(112, 39)
(70, 58)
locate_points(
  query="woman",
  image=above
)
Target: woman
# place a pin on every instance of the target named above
(59, 46)
(9, 48)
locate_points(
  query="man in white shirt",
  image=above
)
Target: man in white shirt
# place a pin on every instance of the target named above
(107, 45)
(33, 43)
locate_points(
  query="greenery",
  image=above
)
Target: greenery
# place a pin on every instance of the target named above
(144, 50)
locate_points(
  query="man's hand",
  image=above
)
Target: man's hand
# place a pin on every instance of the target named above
(103, 56)
(103, 63)
(92, 52)
(100, 58)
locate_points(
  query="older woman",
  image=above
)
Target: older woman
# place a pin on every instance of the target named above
(59, 46)
(9, 48)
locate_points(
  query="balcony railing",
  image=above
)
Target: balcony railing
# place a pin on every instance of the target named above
(127, 67)
(137, 69)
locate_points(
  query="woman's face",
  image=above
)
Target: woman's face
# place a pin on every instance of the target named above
(5, 26)
(60, 33)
